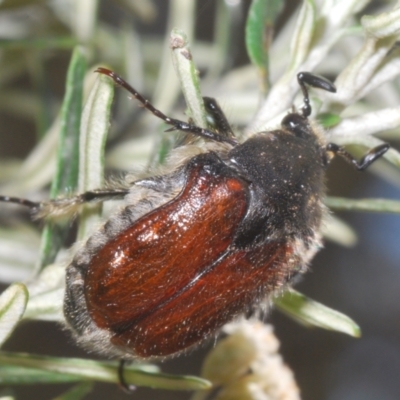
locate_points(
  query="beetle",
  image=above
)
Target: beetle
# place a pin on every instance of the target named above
(205, 242)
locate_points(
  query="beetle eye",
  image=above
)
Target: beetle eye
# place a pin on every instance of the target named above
(296, 124)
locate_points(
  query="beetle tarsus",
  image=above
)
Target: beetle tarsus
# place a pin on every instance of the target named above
(63, 206)
(121, 379)
(365, 161)
(19, 201)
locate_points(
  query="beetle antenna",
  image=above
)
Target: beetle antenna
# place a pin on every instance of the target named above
(175, 123)
(317, 81)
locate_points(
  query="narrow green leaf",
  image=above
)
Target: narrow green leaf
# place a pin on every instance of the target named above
(369, 205)
(352, 81)
(76, 393)
(382, 25)
(46, 294)
(313, 314)
(94, 129)
(335, 230)
(93, 134)
(46, 306)
(259, 33)
(66, 176)
(85, 19)
(302, 36)
(137, 375)
(11, 375)
(188, 78)
(12, 307)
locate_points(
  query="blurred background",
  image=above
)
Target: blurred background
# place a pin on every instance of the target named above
(362, 281)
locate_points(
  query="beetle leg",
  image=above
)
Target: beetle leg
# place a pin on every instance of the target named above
(61, 207)
(19, 201)
(365, 161)
(220, 122)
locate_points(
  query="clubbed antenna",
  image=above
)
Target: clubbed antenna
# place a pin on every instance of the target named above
(319, 82)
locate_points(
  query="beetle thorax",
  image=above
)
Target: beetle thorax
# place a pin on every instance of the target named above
(286, 180)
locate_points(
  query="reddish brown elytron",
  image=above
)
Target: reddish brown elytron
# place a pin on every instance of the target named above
(214, 299)
(127, 285)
